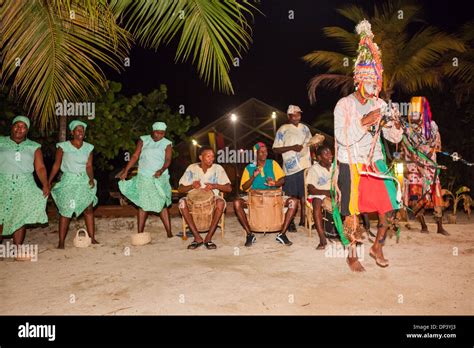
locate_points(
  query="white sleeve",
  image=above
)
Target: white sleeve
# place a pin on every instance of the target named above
(278, 138)
(187, 178)
(311, 178)
(354, 132)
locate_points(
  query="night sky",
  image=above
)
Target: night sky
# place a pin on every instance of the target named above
(272, 70)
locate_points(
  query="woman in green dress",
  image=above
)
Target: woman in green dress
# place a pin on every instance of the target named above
(22, 202)
(76, 192)
(150, 189)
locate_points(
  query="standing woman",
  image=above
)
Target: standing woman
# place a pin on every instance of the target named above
(150, 189)
(22, 202)
(76, 192)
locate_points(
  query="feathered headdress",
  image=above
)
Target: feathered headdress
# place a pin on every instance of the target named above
(368, 65)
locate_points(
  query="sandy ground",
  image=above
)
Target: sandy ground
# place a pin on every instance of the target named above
(429, 274)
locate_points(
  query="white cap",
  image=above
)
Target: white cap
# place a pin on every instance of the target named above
(293, 109)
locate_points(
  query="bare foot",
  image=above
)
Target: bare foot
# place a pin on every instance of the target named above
(169, 235)
(355, 265)
(321, 246)
(424, 229)
(94, 241)
(377, 255)
(61, 245)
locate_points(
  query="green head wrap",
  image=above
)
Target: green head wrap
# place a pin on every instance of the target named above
(23, 119)
(159, 126)
(76, 123)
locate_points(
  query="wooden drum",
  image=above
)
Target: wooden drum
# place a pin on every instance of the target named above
(265, 210)
(327, 204)
(201, 204)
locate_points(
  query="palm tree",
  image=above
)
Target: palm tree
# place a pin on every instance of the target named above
(463, 72)
(52, 50)
(411, 61)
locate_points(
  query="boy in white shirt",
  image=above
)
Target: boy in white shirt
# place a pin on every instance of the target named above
(208, 176)
(319, 186)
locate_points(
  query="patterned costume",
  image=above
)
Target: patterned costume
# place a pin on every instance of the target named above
(422, 185)
(73, 194)
(145, 190)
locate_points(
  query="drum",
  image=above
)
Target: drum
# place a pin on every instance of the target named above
(327, 204)
(316, 140)
(265, 210)
(201, 204)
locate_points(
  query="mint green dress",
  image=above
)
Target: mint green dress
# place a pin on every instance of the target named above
(22, 202)
(144, 190)
(73, 194)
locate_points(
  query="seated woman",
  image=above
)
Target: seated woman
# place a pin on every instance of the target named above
(266, 174)
(319, 185)
(76, 192)
(209, 176)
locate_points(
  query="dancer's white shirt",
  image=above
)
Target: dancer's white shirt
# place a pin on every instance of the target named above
(353, 139)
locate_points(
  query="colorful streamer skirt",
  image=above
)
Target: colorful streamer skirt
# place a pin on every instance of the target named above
(363, 193)
(148, 192)
(22, 202)
(73, 194)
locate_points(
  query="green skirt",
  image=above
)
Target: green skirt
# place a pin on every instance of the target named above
(22, 202)
(148, 192)
(73, 194)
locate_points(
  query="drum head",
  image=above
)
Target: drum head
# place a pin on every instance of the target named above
(200, 195)
(327, 204)
(317, 139)
(269, 192)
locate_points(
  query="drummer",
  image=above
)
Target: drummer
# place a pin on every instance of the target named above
(265, 175)
(319, 185)
(208, 176)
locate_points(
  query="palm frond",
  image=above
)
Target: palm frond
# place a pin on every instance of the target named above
(354, 13)
(347, 39)
(411, 61)
(335, 62)
(344, 83)
(212, 33)
(59, 56)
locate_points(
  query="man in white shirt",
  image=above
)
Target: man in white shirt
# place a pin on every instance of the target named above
(291, 142)
(208, 176)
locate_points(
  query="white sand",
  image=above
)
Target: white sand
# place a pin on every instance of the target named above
(424, 277)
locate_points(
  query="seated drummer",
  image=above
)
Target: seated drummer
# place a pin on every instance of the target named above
(266, 175)
(208, 176)
(319, 185)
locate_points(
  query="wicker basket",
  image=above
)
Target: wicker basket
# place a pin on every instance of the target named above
(141, 238)
(82, 241)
